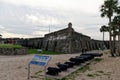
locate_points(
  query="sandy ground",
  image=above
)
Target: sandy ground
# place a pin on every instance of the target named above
(15, 67)
(107, 69)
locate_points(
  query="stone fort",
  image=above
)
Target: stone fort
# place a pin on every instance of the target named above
(66, 41)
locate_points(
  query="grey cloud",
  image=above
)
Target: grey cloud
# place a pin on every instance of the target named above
(14, 19)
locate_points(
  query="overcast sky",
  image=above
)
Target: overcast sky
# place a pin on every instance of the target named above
(32, 18)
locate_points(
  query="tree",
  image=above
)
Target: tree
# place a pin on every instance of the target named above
(104, 29)
(116, 21)
(108, 9)
(116, 30)
(114, 34)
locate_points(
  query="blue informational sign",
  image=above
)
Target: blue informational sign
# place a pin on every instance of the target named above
(40, 60)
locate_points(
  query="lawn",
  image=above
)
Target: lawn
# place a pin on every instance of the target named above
(34, 51)
(30, 51)
(10, 46)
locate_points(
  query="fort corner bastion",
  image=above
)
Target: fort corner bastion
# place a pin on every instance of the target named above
(69, 41)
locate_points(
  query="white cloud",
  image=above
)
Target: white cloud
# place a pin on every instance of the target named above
(12, 35)
(83, 5)
(39, 33)
(41, 19)
(33, 17)
(2, 27)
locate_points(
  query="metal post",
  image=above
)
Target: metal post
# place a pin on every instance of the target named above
(28, 71)
(49, 28)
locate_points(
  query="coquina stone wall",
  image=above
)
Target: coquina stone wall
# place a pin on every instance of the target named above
(58, 41)
(79, 42)
(31, 42)
(66, 41)
(13, 51)
(69, 41)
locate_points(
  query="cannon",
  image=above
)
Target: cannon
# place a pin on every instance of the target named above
(63, 67)
(94, 54)
(53, 71)
(70, 64)
(77, 60)
(82, 59)
(87, 56)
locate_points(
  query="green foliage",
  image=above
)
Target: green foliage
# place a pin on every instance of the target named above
(34, 76)
(100, 71)
(90, 75)
(10, 46)
(104, 28)
(103, 73)
(98, 59)
(109, 8)
(85, 68)
(50, 52)
(74, 74)
(38, 72)
(34, 51)
(50, 79)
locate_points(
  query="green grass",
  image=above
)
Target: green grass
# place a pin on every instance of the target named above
(76, 73)
(34, 51)
(90, 75)
(84, 69)
(38, 72)
(10, 46)
(98, 59)
(100, 72)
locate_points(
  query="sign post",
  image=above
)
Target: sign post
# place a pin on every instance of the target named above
(28, 71)
(39, 60)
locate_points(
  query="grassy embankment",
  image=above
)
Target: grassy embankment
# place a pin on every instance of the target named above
(10, 46)
(30, 51)
(34, 51)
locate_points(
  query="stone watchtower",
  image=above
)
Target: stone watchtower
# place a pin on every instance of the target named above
(70, 31)
(69, 25)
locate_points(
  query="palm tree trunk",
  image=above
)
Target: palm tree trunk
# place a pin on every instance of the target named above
(119, 42)
(110, 38)
(103, 40)
(103, 36)
(114, 46)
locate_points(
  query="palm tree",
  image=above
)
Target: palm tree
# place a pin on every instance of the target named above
(116, 29)
(116, 21)
(114, 34)
(108, 9)
(104, 29)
